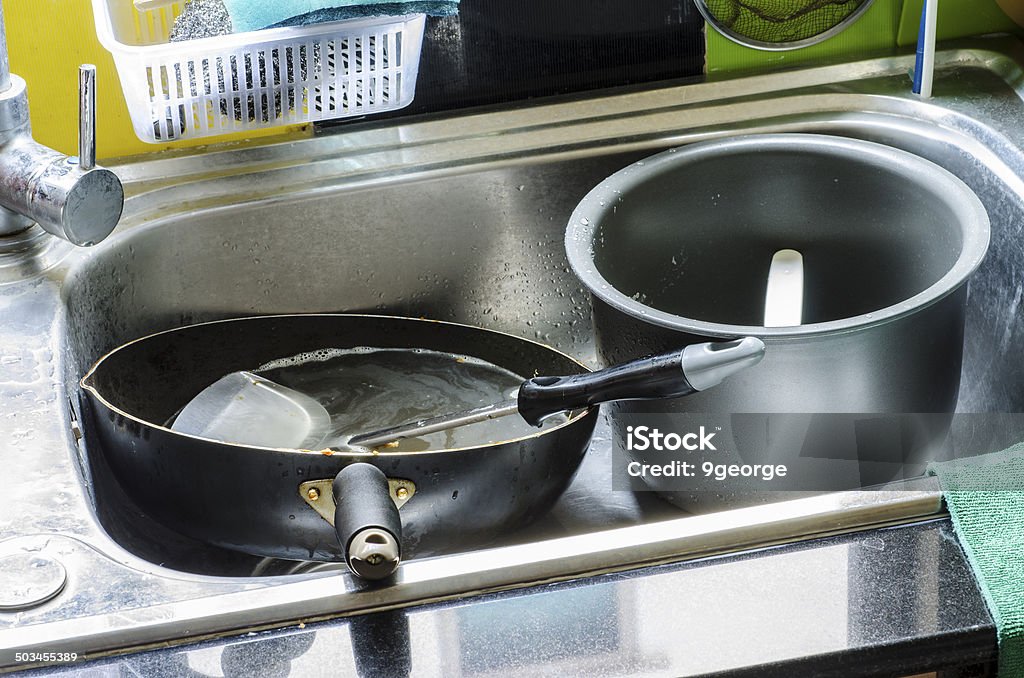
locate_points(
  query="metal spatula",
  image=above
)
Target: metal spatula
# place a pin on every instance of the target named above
(671, 375)
(245, 408)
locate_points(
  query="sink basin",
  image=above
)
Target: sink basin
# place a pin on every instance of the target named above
(462, 220)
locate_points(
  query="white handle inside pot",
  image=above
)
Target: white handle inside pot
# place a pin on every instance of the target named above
(784, 294)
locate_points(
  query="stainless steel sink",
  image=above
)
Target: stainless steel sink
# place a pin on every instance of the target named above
(459, 219)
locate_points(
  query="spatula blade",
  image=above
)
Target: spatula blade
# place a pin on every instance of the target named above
(247, 409)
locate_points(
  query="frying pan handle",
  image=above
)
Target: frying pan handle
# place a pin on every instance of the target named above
(658, 377)
(367, 521)
(671, 375)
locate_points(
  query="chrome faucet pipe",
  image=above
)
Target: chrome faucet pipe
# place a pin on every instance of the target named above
(86, 116)
(70, 197)
(5, 67)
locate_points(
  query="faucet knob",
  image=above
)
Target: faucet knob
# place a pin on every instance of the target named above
(87, 116)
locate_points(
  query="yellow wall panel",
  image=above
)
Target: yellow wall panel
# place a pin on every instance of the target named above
(47, 40)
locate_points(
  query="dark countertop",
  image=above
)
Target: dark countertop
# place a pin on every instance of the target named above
(889, 602)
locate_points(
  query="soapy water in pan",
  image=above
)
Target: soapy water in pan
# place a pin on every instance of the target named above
(365, 389)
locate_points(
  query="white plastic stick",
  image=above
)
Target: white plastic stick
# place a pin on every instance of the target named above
(931, 16)
(784, 294)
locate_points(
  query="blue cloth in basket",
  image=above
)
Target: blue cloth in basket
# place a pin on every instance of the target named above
(252, 15)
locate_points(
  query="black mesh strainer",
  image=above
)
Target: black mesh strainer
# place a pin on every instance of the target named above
(780, 24)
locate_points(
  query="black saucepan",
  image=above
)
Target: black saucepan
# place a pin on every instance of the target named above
(301, 504)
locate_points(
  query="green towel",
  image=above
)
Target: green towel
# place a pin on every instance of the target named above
(985, 496)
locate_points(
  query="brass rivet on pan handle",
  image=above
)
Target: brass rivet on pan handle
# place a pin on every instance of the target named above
(317, 493)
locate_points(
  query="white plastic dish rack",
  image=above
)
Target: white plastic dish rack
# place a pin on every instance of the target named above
(244, 81)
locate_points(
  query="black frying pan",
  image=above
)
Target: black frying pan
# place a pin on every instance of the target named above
(281, 503)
